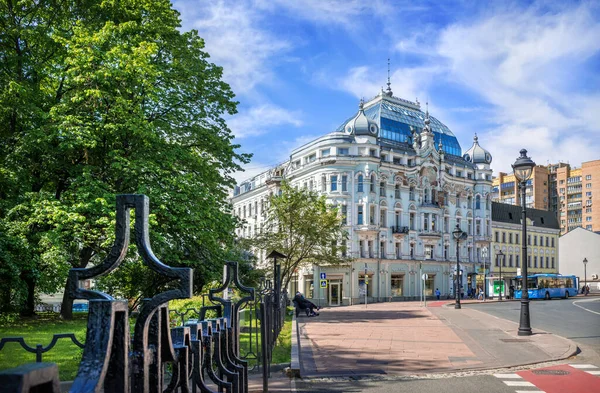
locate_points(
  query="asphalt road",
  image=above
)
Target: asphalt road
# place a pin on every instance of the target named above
(577, 319)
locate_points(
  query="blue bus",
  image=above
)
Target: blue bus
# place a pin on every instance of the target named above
(547, 286)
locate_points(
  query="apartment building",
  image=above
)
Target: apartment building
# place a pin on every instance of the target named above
(569, 192)
(578, 192)
(505, 189)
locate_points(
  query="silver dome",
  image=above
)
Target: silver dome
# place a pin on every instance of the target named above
(477, 154)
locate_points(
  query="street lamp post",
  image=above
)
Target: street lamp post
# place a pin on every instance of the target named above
(522, 168)
(458, 235)
(585, 276)
(500, 257)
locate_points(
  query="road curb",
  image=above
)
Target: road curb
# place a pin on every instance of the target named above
(295, 357)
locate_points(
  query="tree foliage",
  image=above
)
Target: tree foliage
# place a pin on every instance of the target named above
(301, 225)
(99, 98)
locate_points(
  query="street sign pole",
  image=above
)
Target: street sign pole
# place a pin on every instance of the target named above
(484, 254)
(323, 276)
(366, 285)
(421, 275)
(424, 277)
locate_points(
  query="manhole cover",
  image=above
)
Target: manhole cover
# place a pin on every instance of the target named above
(515, 340)
(550, 372)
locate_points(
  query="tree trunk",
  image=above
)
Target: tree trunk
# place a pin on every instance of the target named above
(66, 307)
(29, 280)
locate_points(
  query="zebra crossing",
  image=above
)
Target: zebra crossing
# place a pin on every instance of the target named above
(522, 385)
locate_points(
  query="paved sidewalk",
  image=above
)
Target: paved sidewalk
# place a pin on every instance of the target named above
(278, 383)
(406, 339)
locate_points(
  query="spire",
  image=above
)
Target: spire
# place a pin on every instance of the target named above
(361, 104)
(475, 139)
(427, 121)
(389, 84)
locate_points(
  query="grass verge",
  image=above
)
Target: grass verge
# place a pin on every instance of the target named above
(66, 355)
(39, 330)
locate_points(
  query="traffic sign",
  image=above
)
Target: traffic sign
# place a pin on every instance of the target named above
(323, 276)
(323, 283)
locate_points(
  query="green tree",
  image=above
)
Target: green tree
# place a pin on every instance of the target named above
(98, 99)
(301, 225)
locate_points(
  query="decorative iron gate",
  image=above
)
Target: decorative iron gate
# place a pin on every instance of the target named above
(112, 361)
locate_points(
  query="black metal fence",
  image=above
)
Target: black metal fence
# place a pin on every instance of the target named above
(201, 355)
(40, 349)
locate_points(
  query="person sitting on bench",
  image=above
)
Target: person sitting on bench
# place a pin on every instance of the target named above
(303, 304)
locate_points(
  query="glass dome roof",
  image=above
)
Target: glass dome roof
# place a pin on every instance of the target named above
(394, 122)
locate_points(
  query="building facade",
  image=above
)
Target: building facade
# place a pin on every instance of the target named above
(402, 184)
(506, 189)
(575, 246)
(543, 234)
(578, 191)
(569, 192)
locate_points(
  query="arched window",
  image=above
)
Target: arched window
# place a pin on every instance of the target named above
(360, 183)
(411, 193)
(372, 185)
(397, 191)
(477, 202)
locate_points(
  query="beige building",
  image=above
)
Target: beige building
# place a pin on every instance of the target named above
(542, 243)
(568, 191)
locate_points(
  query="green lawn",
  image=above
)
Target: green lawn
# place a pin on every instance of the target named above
(40, 331)
(67, 355)
(283, 347)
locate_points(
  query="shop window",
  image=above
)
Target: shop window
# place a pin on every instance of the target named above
(429, 284)
(397, 284)
(308, 287)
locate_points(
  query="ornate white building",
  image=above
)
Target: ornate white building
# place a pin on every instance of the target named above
(401, 183)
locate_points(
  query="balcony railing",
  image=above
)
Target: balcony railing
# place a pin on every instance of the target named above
(430, 233)
(399, 230)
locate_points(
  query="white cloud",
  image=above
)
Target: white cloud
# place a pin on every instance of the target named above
(408, 83)
(259, 119)
(235, 39)
(524, 63)
(512, 61)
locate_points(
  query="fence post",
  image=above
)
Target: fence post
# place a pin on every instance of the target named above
(264, 346)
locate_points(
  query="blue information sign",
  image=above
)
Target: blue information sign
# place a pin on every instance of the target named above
(323, 276)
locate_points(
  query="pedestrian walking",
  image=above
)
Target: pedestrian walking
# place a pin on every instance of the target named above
(437, 294)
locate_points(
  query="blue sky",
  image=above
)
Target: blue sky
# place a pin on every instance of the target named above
(519, 74)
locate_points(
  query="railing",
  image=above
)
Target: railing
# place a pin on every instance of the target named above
(39, 349)
(203, 354)
(399, 230)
